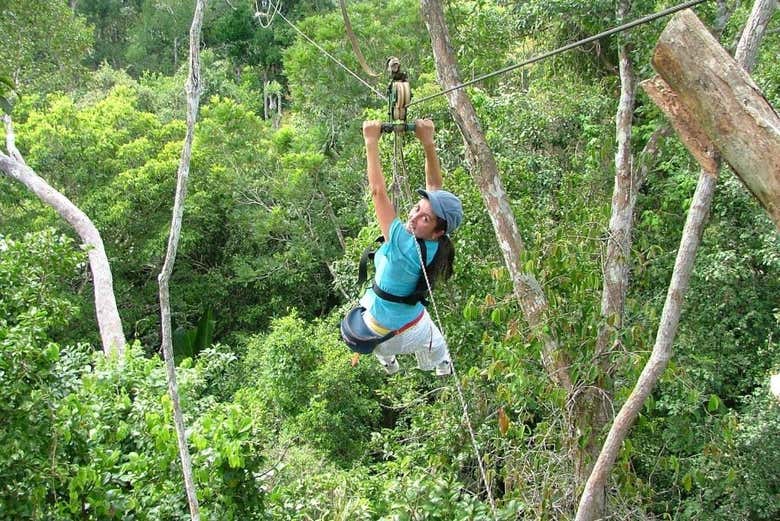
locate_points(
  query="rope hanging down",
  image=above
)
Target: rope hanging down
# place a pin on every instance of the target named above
(459, 388)
(610, 32)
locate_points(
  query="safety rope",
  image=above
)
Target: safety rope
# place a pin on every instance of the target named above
(620, 28)
(399, 188)
(459, 388)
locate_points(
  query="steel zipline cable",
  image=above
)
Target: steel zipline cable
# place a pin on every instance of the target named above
(326, 53)
(610, 32)
(544, 56)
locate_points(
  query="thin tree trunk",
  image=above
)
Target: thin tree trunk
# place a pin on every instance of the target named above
(110, 325)
(618, 252)
(266, 96)
(753, 33)
(175, 53)
(592, 407)
(678, 287)
(278, 117)
(193, 89)
(483, 167)
(662, 350)
(353, 41)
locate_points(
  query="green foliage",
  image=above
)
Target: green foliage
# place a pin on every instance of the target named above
(188, 343)
(280, 425)
(283, 364)
(34, 279)
(43, 42)
(236, 34)
(35, 372)
(7, 90)
(387, 29)
(343, 409)
(246, 226)
(159, 39)
(98, 441)
(113, 22)
(309, 486)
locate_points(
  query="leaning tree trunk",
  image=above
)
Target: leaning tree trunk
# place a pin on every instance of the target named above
(193, 89)
(662, 351)
(678, 287)
(527, 289)
(110, 325)
(753, 33)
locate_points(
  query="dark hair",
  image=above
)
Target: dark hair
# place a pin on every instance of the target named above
(442, 266)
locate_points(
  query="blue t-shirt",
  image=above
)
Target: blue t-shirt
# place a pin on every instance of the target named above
(398, 269)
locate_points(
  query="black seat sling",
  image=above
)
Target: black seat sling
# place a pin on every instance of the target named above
(420, 292)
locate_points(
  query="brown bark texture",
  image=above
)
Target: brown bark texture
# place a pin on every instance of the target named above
(688, 130)
(727, 104)
(485, 172)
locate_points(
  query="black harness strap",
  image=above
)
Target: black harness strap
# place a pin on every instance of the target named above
(420, 292)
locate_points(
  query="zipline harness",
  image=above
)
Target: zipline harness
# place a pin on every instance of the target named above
(420, 292)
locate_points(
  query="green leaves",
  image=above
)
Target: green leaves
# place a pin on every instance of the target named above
(188, 343)
(44, 42)
(35, 372)
(7, 90)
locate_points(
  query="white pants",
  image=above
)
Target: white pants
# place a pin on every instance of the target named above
(423, 339)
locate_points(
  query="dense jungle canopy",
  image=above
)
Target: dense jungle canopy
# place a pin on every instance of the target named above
(281, 426)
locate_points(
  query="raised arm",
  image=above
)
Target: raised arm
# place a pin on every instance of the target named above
(385, 212)
(423, 129)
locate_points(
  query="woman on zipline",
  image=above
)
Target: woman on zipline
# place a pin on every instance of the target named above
(397, 262)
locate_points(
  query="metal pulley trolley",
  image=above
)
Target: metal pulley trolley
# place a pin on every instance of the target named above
(399, 95)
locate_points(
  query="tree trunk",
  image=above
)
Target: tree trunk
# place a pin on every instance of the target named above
(110, 325)
(353, 41)
(278, 116)
(265, 95)
(618, 254)
(753, 33)
(193, 90)
(725, 102)
(175, 53)
(592, 407)
(670, 317)
(688, 129)
(662, 350)
(483, 167)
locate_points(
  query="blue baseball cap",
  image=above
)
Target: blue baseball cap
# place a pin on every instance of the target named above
(446, 206)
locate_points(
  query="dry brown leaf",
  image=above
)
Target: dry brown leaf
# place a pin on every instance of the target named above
(503, 421)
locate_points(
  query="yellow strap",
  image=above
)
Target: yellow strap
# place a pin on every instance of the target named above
(373, 325)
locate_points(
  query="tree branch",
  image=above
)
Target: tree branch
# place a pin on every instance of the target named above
(193, 90)
(110, 325)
